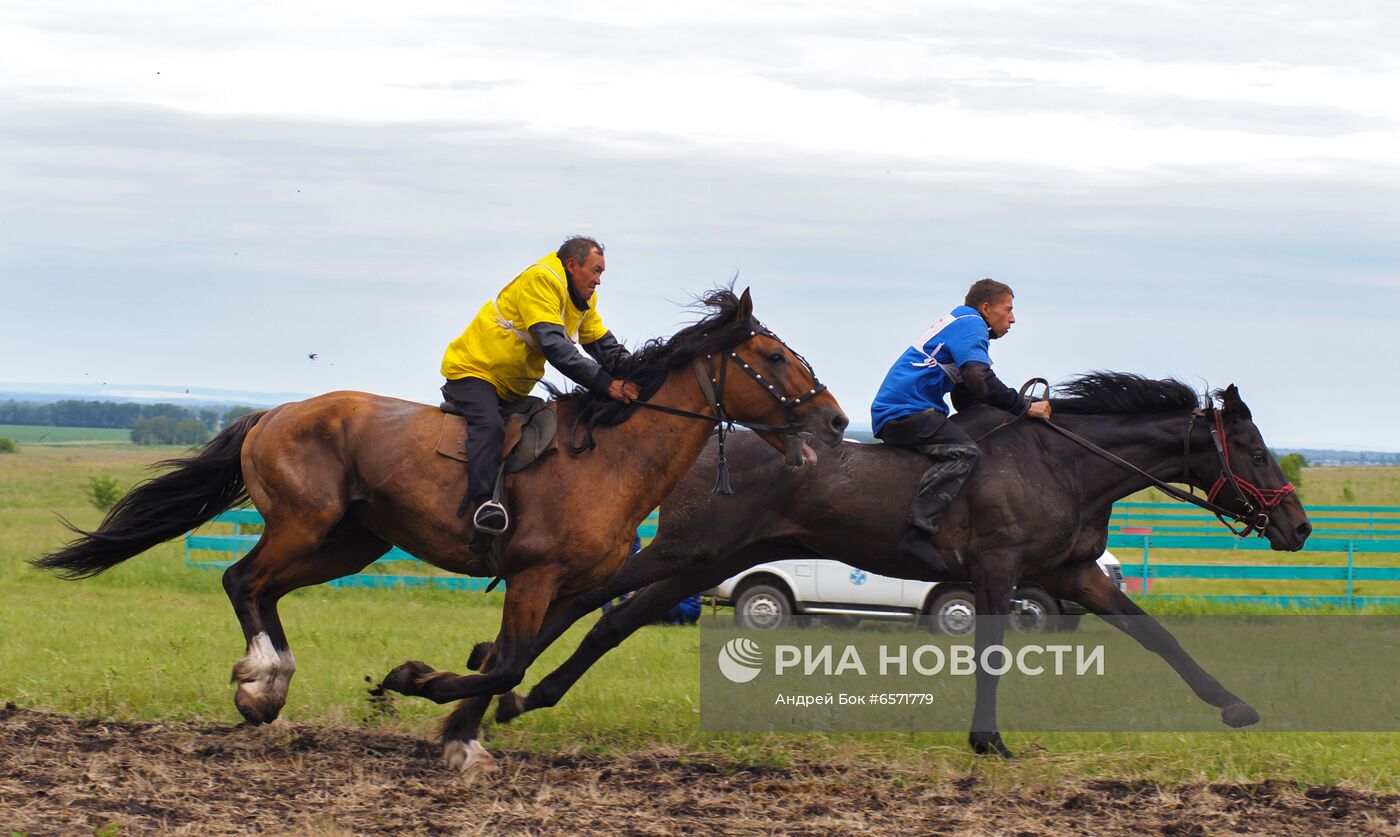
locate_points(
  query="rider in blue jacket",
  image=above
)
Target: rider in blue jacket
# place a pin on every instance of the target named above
(911, 410)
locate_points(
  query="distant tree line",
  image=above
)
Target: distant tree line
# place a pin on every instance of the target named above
(163, 430)
(150, 424)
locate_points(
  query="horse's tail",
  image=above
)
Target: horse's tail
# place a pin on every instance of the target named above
(195, 490)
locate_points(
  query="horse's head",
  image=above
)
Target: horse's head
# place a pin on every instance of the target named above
(1250, 481)
(761, 381)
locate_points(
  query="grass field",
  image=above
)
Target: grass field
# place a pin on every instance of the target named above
(151, 640)
(37, 434)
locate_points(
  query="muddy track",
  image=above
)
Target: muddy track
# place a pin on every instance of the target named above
(60, 775)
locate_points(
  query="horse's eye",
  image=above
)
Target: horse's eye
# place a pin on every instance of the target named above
(777, 357)
(1258, 458)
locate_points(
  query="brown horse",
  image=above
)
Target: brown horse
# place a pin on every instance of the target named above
(341, 477)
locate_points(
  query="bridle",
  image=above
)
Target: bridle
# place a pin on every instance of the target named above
(712, 376)
(1257, 503)
(1254, 517)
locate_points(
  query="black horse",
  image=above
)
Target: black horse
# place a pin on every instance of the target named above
(1037, 510)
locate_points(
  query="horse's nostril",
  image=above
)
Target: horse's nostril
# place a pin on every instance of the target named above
(1305, 529)
(839, 422)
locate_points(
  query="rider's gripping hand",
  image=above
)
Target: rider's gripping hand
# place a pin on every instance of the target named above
(1039, 409)
(624, 391)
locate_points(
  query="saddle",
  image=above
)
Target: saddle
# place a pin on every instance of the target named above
(531, 424)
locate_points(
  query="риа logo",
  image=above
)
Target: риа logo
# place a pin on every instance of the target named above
(740, 660)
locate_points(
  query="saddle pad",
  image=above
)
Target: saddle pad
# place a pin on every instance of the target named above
(529, 435)
(452, 440)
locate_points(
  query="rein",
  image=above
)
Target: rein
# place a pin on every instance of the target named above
(1254, 517)
(712, 386)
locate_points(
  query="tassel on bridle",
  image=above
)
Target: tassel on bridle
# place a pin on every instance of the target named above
(722, 485)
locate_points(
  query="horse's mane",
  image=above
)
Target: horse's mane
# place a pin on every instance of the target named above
(653, 360)
(1122, 392)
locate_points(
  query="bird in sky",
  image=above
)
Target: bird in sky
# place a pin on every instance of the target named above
(312, 355)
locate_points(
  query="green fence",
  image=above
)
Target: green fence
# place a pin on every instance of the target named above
(1143, 527)
(1351, 530)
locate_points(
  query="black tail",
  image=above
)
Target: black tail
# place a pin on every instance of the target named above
(198, 487)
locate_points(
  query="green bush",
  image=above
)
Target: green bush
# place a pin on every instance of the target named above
(7, 445)
(103, 492)
(1293, 465)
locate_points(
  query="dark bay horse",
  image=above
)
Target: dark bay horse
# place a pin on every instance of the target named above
(341, 477)
(1036, 510)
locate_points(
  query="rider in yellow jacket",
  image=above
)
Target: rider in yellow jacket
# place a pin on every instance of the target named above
(544, 314)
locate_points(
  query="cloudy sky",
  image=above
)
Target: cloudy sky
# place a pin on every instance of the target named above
(199, 194)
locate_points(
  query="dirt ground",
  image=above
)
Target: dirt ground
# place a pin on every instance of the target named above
(60, 775)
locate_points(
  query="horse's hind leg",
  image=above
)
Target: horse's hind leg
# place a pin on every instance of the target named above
(1086, 584)
(288, 557)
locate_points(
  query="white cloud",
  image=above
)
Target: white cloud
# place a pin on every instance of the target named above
(1174, 188)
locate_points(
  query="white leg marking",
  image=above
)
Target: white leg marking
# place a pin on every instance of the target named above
(264, 674)
(468, 756)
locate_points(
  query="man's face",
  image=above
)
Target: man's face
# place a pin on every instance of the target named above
(588, 275)
(998, 315)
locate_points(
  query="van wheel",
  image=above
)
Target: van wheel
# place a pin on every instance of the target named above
(953, 613)
(1039, 613)
(762, 607)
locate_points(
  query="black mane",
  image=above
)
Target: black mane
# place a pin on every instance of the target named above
(1122, 392)
(653, 360)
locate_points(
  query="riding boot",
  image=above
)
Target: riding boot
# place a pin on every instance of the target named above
(938, 487)
(917, 545)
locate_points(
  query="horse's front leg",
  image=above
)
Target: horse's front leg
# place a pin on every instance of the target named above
(461, 731)
(645, 608)
(1086, 584)
(992, 586)
(669, 577)
(530, 601)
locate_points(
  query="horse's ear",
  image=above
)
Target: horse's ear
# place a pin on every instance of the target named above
(745, 307)
(1232, 403)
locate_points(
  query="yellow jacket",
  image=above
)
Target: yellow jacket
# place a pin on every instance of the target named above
(497, 347)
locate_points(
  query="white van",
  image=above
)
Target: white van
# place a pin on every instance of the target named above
(767, 595)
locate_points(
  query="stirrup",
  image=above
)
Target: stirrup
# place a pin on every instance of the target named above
(491, 508)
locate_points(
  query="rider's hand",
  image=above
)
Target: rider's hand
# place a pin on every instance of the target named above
(1039, 409)
(624, 391)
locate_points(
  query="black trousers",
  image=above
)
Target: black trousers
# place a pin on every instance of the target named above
(486, 430)
(954, 455)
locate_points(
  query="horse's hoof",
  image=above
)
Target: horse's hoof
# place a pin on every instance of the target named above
(1239, 715)
(407, 678)
(988, 743)
(508, 707)
(478, 655)
(262, 676)
(468, 757)
(254, 709)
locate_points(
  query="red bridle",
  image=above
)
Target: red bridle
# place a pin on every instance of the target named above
(1256, 514)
